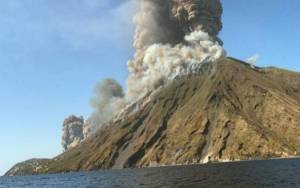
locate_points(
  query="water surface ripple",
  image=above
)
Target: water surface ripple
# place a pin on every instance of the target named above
(283, 173)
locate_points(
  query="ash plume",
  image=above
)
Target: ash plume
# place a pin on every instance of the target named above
(106, 103)
(172, 38)
(72, 132)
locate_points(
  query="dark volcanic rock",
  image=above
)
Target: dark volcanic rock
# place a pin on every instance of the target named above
(228, 112)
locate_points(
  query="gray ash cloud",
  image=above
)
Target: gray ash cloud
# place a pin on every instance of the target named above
(72, 132)
(172, 38)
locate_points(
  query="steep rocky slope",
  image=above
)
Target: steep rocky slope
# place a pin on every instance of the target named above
(228, 111)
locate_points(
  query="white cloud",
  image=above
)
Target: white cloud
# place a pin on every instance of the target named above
(253, 60)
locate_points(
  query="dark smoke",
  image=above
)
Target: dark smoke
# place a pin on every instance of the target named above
(169, 21)
(171, 35)
(172, 38)
(72, 132)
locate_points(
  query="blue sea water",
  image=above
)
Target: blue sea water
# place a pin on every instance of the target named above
(283, 173)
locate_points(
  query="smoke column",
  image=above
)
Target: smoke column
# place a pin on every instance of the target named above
(109, 99)
(72, 132)
(172, 38)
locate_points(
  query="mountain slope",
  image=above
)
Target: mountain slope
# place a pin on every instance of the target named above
(32, 167)
(229, 111)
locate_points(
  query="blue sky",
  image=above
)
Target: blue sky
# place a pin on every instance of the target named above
(53, 52)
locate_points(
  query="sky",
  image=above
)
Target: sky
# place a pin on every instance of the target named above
(53, 52)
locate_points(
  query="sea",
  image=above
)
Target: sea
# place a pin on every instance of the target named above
(283, 173)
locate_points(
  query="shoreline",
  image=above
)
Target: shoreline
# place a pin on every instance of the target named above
(165, 166)
(217, 162)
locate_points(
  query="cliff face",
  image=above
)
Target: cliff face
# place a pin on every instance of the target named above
(228, 112)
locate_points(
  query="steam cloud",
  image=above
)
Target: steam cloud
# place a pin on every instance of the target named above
(172, 38)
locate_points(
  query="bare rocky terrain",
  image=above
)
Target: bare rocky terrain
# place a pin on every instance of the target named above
(228, 111)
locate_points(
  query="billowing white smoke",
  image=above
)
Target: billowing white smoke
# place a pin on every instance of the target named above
(162, 63)
(173, 37)
(253, 60)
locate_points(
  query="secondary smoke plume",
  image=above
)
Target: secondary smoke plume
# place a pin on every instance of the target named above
(107, 102)
(172, 37)
(253, 60)
(72, 132)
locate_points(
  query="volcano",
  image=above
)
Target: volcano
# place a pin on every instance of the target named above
(226, 111)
